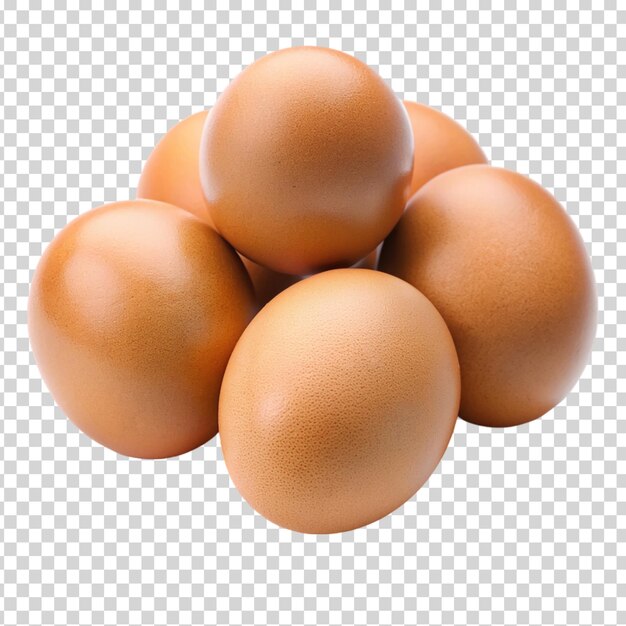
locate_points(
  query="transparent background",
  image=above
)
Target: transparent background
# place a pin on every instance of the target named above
(522, 526)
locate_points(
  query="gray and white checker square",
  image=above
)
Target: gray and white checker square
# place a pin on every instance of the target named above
(519, 526)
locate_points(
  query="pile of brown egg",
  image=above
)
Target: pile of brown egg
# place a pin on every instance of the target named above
(330, 275)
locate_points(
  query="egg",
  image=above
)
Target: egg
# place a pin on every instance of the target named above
(505, 266)
(171, 175)
(306, 160)
(441, 144)
(338, 401)
(133, 312)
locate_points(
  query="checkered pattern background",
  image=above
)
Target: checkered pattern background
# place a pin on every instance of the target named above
(522, 526)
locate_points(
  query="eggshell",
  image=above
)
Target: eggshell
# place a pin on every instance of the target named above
(306, 160)
(171, 175)
(440, 144)
(134, 310)
(508, 271)
(338, 401)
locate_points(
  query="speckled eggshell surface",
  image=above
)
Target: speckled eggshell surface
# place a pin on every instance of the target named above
(507, 269)
(306, 160)
(441, 144)
(338, 401)
(134, 310)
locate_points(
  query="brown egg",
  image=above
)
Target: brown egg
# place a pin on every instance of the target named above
(440, 144)
(134, 310)
(171, 175)
(338, 401)
(508, 271)
(306, 160)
